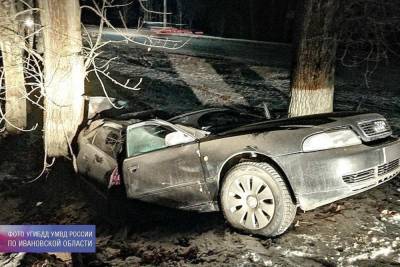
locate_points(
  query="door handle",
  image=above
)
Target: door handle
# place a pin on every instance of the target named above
(133, 169)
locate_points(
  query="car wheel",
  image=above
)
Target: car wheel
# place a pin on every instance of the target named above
(255, 198)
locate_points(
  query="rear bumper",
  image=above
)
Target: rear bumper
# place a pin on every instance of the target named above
(322, 177)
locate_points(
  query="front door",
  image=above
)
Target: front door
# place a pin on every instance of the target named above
(157, 172)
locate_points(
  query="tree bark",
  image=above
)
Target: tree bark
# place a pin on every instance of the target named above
(313, 68)
(64, 73)
(11, 44)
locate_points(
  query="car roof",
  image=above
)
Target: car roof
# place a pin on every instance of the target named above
(198, 112)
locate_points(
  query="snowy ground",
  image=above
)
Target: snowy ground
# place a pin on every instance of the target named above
(360, 231)
(179, 83)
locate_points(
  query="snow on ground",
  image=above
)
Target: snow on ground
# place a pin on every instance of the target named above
(179, 83)
(204, 69)
(350, 232)
(363, 230)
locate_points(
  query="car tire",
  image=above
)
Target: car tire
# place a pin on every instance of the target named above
(254, 198)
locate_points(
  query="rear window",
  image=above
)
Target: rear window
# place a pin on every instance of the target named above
(109, 140)
(224, 120)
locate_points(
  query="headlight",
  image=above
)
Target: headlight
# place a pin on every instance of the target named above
(328, 140)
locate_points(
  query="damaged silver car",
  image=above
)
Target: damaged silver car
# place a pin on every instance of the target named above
(256, 170)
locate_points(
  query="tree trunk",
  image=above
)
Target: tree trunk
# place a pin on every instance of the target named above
(313, 68)
(64, 73)
(11, 44)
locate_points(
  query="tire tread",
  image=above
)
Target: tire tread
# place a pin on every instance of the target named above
(289, 207)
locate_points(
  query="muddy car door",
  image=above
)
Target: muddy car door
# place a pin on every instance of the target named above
(97, 159)
(163, 166)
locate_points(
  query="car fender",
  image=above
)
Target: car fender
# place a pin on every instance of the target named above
(252, 155)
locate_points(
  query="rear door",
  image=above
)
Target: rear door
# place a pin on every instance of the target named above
(167, 175)
(97, 159)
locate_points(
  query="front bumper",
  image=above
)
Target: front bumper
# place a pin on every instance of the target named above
(322, 177)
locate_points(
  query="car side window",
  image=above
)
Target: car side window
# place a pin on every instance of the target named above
(146, 138)
(109, 140)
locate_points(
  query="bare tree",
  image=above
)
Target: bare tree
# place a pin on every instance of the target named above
(11, 44)
(64, 73)
(56, 80)
(94, 44)
(378, 41)
(312, 84)
(360, 33)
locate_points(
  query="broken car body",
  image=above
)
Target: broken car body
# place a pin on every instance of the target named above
(256, 171)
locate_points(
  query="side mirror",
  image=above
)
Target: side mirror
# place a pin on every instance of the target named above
(177, 138)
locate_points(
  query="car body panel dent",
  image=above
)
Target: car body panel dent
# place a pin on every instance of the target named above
(96, 164)
(151, 182)
(187, 175)
(319, 177)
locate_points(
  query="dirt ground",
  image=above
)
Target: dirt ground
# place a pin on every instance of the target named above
(363, 230)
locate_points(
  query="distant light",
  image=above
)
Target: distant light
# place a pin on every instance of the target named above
(29, 22)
